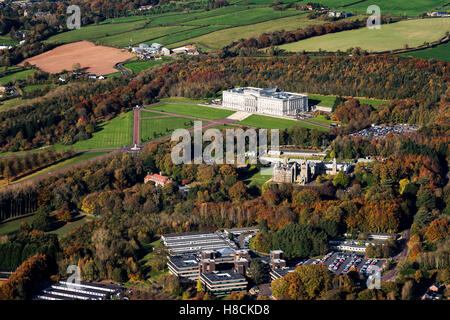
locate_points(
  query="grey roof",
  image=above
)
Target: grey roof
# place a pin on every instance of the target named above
(222, 276)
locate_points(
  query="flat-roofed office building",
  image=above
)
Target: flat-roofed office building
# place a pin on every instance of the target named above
(184, 267)
(186, 243)
(221, 283)
(269, 101)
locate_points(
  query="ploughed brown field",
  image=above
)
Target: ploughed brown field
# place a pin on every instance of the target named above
(99, 60)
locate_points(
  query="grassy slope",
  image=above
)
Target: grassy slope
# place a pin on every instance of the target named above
(20, 75)
(138, 66)
(441, 52)
(93, 32)
(193, 110)
(81, 157)
(389, 37)
(267, 122)
(115, 133)
(161, 127)
(398, 7)
(60, 229)
(141, 35)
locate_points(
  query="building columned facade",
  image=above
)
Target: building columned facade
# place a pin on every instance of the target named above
(270, 101)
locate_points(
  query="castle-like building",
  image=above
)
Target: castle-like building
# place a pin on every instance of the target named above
(304, 171)
(271, 101)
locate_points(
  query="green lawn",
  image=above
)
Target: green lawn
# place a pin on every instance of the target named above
(186, 35)
(184, 100)
(257, 179)
(397, 7)
(114, 133)
(93, 32)
(59, 228)
(251, 16)
(32, 87)
(155, 128)
(78, 158)
(193, 110)
(6, 41)
(441, 52)
(267, 122)
(218, 39)
(67, 227)
(19, 75)
(321, 119)
(389, 37)
(13, 225)
(138, 66)
(141, 35)
(328, 101)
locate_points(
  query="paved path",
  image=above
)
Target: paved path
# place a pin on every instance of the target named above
(136, 126)
(392, 274)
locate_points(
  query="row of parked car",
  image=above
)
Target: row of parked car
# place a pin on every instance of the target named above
(367, 264)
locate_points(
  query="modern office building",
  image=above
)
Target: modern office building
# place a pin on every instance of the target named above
(64, 290)
(269, 101)
(221, 283)
(186, 268)
(188, 243)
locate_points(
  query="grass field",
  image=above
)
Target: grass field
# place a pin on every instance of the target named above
(19, 75)
(185, 35)
(184, 100)
(32, 87)
(328, 101)
(257, 179)
(266, 122)
(397, 7)
(138, 66)
(192, 110)
(141, 35)
(389, 37)
(6, 41)
(13, 225)
(219, 39)
(93, 32)
(59, 228)
(155, 128)
(78, 158)
(253, 15)
(114, 133)
(321, 119)
(210, 29)
(441, 52)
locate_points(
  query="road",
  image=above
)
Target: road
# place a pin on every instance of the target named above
(392, 274)
(121, 68)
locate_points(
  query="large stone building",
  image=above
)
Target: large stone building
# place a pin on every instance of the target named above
(304, 171)
(270, 101)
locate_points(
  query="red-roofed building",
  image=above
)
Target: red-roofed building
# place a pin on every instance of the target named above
(158, 179)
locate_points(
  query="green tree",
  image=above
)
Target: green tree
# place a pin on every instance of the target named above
(258, 271)
(341, 179)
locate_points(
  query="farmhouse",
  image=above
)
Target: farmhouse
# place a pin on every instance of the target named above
(266, 101)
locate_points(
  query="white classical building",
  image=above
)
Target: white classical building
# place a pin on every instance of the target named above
(267, 101)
